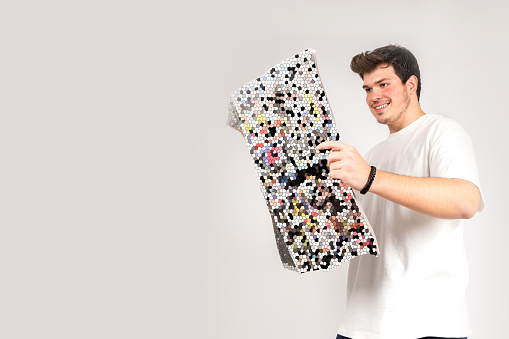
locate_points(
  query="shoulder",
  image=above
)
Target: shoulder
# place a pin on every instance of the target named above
(439, 121)
(444, 128)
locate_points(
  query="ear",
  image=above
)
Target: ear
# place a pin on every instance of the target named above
(411, 84)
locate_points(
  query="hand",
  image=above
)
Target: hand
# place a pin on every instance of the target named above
(345, 163)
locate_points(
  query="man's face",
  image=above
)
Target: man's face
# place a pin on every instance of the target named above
(386, 96)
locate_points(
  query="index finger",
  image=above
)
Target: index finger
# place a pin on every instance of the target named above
(330, 144)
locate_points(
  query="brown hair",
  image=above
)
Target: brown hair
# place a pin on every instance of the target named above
(404, 63)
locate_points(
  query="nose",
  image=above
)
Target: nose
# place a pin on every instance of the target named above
(376, 94)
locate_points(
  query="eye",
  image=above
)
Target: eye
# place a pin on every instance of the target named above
(367, 90)
(383, 84)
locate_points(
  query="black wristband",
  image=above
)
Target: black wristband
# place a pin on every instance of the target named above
(370, 180)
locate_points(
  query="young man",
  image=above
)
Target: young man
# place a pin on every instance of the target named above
(422, 182)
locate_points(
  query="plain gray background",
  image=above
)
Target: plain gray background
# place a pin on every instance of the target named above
(130, 210)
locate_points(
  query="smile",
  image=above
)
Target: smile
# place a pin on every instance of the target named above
(381, 106)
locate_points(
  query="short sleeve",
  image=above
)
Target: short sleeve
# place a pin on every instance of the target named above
(452, 154)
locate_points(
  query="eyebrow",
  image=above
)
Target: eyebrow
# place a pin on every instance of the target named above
(377, 82)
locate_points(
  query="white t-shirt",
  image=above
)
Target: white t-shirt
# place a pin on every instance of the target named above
(416, 286)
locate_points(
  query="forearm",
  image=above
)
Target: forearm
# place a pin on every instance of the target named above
(437, 197)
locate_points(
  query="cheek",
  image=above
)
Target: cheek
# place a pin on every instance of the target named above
(391, 93)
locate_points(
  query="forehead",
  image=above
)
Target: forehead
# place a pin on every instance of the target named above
(383, 71)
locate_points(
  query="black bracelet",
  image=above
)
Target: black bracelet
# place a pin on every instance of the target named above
(370, 180)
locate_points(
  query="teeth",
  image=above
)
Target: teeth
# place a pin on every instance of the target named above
(382, 106)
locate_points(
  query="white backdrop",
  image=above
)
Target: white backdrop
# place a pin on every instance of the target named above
(130, 210)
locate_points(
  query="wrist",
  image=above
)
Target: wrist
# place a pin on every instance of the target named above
(370, 180)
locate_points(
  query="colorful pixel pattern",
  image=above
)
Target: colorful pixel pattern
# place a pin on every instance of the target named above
(283, 115)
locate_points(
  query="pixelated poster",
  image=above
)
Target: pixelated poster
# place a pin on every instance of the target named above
(283, 115)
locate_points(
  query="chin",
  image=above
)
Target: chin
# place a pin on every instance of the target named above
(381, 119)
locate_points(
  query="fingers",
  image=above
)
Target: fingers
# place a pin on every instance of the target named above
(334, 156)
(334, 166)
(334, 145)
(335, 175)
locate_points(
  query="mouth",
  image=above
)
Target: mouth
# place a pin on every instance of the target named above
(381, 107)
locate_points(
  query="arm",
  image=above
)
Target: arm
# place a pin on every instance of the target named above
(437, 197)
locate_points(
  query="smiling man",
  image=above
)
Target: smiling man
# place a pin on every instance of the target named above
(417, 187)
